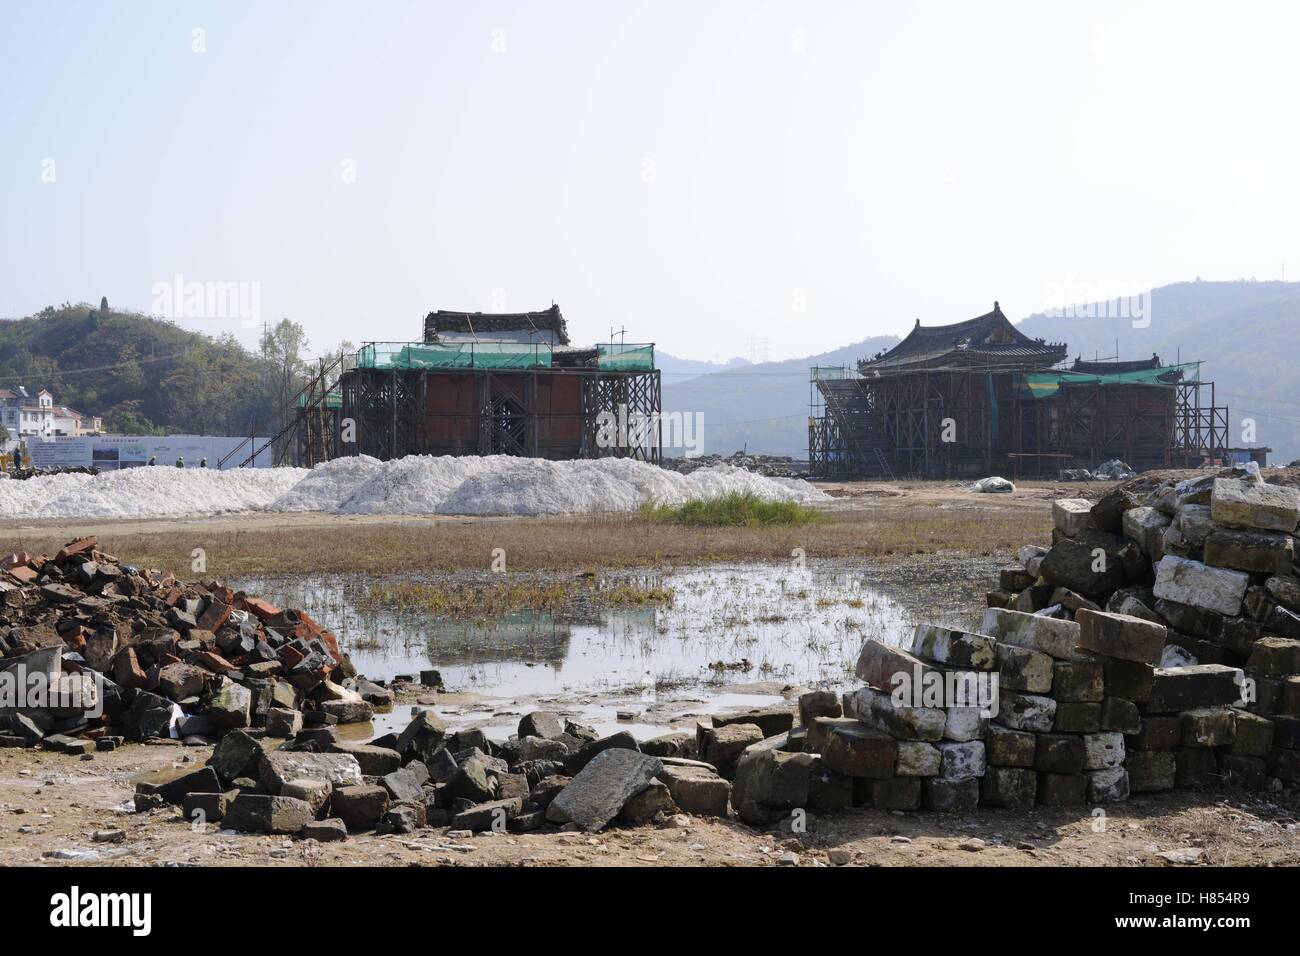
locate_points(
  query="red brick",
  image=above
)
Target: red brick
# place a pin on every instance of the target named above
(214, 662)
(88, 543)
(259, 608)
(215, 616)
(22, 574)
(126, 669)
(289, 656)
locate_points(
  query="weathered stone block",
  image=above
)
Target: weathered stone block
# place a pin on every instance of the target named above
(1150, 770)
(314, 793)
(1253, 735)
(1010, 748)
(1052, 636)
(1257, 551)
(1286, 732)
(1075, 717)
(206, 807)
(820, 729)
(722, 746)
(861, 752)
(374, 761)
(818, 703)
(1158, 732)
(959, 760)
(1023, 669)
(541, 723)
(1121, 636)
(917, 759)
(899, 793)
(878, 711)
(1070, 601)
(1014, 579)
(1145, 527)
(1243, 503)
(965, 723)
(1199, 585)
(1103, 751)
(1284, 588)
(1120, 715)
(1208, 727)
(950, 796)
(1062, 790)
(1075, 565)
(256, 813)
(1190, 620)
(882, 666)
(1014, 788)
(1291, 696)
(1059, 753)
(603, 786)
(770, 720)
(697, 790)
(423, 737)
(1108, 512)
(1275, 656)
(1026, 712)
(360, 807)
(1194, 524)
(280, 766)
(1072, 516)
(1108, 786)
(283, 723)
(1079, 681)
(1175, 689)
(769, 783)
(1129, 679)
(954, 648)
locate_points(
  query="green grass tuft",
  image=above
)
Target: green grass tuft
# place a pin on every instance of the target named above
(736, 509)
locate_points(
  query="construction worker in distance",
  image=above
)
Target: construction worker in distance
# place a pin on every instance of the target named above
(180, 462)
(203, 463)
(153, 460)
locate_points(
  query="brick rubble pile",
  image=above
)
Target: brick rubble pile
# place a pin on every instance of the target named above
(134, 654)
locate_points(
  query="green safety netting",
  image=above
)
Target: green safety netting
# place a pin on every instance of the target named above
(333, 399)
(626, 357)
(829, 372)
(418, 355)
(1046, 384)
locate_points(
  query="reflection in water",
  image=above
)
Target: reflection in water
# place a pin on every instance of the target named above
(725, 624)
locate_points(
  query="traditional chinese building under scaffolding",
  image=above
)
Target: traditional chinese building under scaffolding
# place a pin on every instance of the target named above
(480, 384)
(979, 398)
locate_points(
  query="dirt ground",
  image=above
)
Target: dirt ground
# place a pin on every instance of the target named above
(51, 805)
(876, 520)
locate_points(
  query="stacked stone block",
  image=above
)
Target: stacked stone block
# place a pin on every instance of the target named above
(1210, 562)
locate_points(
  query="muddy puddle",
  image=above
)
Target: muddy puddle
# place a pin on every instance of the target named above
(730, 637)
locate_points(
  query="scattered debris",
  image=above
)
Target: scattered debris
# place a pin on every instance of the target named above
(993, 485)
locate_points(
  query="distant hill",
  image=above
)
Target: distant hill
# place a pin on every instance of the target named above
(143, 375)
(679, 368)
(1244, 332)
(761, 407)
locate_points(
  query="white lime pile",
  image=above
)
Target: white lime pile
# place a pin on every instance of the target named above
(496, 485)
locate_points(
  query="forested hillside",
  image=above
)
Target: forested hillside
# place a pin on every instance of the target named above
(149, 376)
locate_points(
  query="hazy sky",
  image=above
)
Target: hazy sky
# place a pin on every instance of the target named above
(764, 179)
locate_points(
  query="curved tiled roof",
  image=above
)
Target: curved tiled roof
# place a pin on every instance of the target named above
(475, 322)
(988, 339)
